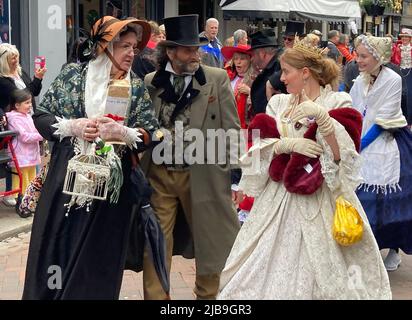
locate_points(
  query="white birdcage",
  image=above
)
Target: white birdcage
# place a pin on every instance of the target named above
(87, 176)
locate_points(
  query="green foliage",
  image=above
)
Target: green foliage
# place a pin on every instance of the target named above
(382, 3)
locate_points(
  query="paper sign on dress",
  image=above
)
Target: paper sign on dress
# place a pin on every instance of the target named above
(118, 98)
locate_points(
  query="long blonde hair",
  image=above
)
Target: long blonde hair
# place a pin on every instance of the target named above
(8, 51)
(248, 76)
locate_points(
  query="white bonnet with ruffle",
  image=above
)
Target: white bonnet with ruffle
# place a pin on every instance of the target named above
(379, 47)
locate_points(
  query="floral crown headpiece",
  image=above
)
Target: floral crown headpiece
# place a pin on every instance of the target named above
(303, 47)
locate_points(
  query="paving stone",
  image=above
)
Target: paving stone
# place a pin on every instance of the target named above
(13, 257)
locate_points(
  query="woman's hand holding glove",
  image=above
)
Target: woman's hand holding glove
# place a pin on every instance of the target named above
(310, 109)
(83, 128)
(303, 146)
(110, 130)
(90, 129)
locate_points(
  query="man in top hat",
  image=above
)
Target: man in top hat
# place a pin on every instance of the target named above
(187, 193)
(293, 28)
(264, 48)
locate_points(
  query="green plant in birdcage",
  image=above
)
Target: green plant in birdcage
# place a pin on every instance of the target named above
(91, 176)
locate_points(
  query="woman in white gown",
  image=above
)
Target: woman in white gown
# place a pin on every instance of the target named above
(285, 250)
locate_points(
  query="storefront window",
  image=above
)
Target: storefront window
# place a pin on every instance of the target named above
(4, 21)
(138, 9)
(81, 14)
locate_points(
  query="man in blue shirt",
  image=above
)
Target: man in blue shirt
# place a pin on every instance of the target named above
(210, 53)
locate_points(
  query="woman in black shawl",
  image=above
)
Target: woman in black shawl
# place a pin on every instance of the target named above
(78, 251)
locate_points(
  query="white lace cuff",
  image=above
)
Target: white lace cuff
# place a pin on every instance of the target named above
(255, 167)
(344, 176)
(235, 187)
(131, 137)
(64, 128)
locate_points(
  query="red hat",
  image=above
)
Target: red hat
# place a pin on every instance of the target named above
(228, 52)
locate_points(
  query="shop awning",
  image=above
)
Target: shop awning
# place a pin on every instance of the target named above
(329, 10)
(315, 10)
(226, 2)
(260, 9)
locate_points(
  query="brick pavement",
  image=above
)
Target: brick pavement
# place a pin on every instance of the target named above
(13, 257)
(11, 223)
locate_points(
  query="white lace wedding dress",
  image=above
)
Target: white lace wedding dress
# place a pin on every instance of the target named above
(285, 249)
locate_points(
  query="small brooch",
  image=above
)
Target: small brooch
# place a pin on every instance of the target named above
(298, 125)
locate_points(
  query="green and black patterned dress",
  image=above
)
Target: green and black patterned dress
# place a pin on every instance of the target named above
(89, 248)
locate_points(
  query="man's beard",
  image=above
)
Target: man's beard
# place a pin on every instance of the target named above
(189, 68)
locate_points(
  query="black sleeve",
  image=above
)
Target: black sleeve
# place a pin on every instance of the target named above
(142, 67)
(236, 174)
(149, 140)
(6, 87)
(43, 122)
(34, 85)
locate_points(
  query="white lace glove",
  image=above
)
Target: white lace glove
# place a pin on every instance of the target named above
(83, 128)
(110, 130)
(303, 146)
(308, 108)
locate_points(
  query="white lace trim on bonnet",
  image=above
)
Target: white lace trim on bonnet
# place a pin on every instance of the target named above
(379, 47)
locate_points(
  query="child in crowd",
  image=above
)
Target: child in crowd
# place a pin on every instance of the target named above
(26, 143)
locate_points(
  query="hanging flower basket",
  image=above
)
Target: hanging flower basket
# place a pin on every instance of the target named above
(374, 9)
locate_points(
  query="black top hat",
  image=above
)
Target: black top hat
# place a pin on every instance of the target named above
(294, 27)
(183, 31)
(264, 38)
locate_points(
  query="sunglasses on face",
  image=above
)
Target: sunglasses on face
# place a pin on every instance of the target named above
(288, 39)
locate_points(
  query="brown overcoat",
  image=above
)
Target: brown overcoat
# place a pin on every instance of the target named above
(214, 219)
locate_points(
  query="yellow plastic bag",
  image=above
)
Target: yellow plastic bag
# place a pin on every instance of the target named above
(347, 223)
